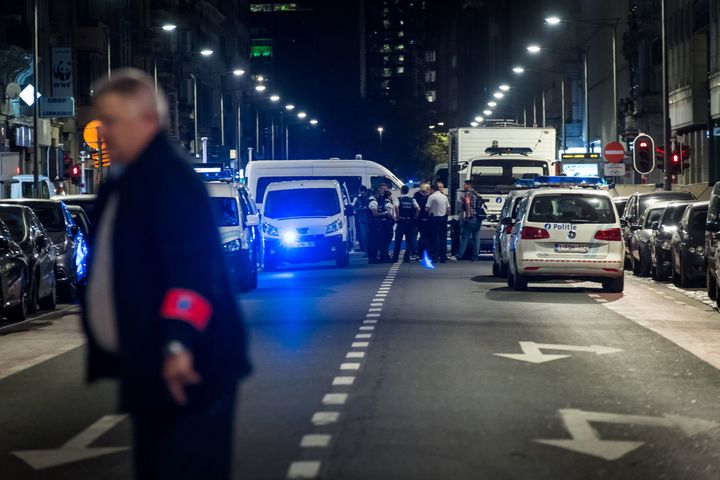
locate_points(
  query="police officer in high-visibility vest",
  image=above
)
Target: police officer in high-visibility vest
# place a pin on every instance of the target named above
(407, 211)
(375, 217)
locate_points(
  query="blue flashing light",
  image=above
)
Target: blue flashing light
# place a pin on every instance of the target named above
(289, 237)
(551, 180)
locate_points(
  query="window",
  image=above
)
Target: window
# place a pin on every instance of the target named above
(401, 58)
(285, 7)
(51, 216)
(400, 70)
(431, 96)
(430, 76)
(386, 72)
(653, 215)
(697, 223)
(386, 48)
(261, 7)
(430, 56)
(491, 173)
(351, 183)
(572, 208)
(400, 47)
(304, 203)
(225, 211)
(14, 221)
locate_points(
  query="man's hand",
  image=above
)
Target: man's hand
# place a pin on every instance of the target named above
(179, 373)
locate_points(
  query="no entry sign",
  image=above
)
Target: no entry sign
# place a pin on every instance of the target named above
(614, 152)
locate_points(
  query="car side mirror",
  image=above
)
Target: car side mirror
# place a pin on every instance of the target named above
(507, 221)
(252, 220)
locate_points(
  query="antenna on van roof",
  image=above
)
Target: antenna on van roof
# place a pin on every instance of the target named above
(358, 156)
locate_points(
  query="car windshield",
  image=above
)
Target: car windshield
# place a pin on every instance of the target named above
(13, 219)
(648, 201)
(491, 173)
(571, 208)
(51, 216)
(697, 221)
(306, 202)
(673, 214)
(225, 211)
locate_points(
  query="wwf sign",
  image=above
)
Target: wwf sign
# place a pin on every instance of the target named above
(62, 72)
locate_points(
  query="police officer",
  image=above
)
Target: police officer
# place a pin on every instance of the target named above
(362, 217)
(379, 216)
(423, 222)
(472, 213)
(407, 211)
(387, 224)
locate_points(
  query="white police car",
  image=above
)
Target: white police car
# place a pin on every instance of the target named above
(567, 233)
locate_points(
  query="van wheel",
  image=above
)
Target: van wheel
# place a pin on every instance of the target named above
(614, 285)
(710, 285)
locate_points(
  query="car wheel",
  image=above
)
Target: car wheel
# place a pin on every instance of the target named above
(34, 293)
(644, 268)
(710, 285)
(520, 283)
(19, 312)
(495, 268)
(684, 280)
(50, 301)
(614, 285)
(635, 266)
(68, 292)
(717, 294)
(510, 278)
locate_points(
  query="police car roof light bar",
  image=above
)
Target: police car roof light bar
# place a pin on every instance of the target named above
(560, 181)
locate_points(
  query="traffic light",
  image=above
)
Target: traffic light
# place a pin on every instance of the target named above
(676, 164)
(75, 175)
(644, 154)
(67, 167)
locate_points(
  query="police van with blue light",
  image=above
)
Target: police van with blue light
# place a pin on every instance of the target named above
(306, 221)
(566, 228)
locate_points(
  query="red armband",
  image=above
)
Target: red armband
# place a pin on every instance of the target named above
(187, 306)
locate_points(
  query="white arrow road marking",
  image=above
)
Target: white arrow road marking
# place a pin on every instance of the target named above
(587, 441)
(76, 449)
(532, 351)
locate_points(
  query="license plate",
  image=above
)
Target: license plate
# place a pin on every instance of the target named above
(303, 244)
(571, 248)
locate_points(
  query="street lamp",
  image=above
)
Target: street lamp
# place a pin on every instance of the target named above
(206, 52)
(518, 69)
(498, 95)
(289, 107)
(504, 87)
(487, 113)
(479, 119)
(274, 98)
(441, 124)
(238, 72)
(553, 20)
(260, 88)
(302, 115)
(492, 104)
(169, 27)
(432, 127)
(474, 124)
(313, 122)
(534, 49)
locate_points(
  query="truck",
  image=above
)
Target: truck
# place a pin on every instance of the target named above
(494, 158)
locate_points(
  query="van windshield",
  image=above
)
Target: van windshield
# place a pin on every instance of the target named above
(572, 209)
(302, 203)
(491, 173)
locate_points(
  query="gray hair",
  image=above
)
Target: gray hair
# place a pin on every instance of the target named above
(131, 82)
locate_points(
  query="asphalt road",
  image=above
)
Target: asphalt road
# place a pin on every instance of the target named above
(393, 372)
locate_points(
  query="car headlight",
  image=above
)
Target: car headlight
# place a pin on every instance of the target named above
(289, 237)
(233, 246)
(335, 226)
(270, 230)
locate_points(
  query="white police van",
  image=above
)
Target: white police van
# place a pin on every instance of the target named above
(306, 221)
(567, 233)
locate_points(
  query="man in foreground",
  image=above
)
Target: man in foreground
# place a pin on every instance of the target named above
(159, 310)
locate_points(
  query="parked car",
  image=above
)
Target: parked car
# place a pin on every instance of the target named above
(86, 201)
(660, 241)
(14, 280)
(688, 246)
(69, 242)
(636, 205)
(236, 234)
(641, 238)
(249, 207)
(501, 240)
(28, 232)
(80, 218)
(620, 203)
(712, 243)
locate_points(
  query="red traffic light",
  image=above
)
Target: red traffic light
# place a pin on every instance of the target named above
(75, 170)
(675, 158)
(643, 145)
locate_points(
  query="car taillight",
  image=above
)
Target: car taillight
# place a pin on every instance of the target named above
(609, 235)
(508, 229)
(532, 233)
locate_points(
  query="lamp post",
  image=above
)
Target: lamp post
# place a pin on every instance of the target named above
(535, 49)
(606, 23)
(166, 27)
(36, 103)
(519, 70)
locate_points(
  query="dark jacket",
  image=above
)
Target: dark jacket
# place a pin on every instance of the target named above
(165, 242)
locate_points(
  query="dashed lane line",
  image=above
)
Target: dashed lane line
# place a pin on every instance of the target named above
(317, 441)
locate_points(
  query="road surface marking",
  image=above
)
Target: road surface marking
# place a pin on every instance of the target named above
(355, 355)
(349, 366)
(375, 310)
(337, 381)
(532, 351)
(376, 305)
(303, 469)
(360, 344)
(321, 419)
(335, 399)
(586, 439)
(372, 315)
(370, 322)
(315, 440)
(363, 335)
(367, 328)
(77, 448)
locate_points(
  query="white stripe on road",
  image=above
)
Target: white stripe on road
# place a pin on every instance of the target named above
(360, 344)
(355, 355)
(367, 328)
(325, 418)
(338, 381)
(335, 399)
(303, 469)
(349, 366)
(315, 441)
(360, 336)
(370, 322)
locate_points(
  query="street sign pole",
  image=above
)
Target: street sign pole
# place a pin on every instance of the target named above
(36, 104)
(665, 96)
